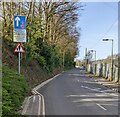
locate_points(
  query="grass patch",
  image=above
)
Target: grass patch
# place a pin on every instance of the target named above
(14, 90)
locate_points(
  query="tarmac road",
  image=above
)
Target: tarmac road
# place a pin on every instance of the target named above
(74, 92)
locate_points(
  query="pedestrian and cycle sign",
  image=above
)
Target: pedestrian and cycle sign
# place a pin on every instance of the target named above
(19, 31)
(19, 48)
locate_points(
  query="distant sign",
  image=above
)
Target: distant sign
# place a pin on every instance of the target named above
(19, 29)
(19, 48)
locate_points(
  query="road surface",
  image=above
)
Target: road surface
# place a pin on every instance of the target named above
(74, 92)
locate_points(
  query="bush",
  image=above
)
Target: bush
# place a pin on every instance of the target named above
(14, 91)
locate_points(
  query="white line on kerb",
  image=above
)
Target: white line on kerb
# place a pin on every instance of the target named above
(101, 106)
(39, 105)
(34, 98)
(41, 97)
(43, 104)
(26, 106)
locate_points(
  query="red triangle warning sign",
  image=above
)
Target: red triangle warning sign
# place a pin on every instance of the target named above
(19, 48)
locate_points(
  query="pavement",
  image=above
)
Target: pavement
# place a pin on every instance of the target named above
(110, 84)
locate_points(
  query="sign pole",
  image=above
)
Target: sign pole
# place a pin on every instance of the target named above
(19, 35)
(19, 49)
(18, 62)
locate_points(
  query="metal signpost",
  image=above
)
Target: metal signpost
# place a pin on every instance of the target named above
(19, 35)
(19, 49)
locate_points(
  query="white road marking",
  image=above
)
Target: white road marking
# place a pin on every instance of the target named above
(114, 94)
(95, 99)
(43, 105)
(26, 106)
(39, 105)
(106, 90)
(34, 98)
(96, 89)
(90, 88)
(96, 94)
(43, 102)
(77, 95)
(34, 91)
(101, 95)
(101, 106)
(110, 104)
(89, 82)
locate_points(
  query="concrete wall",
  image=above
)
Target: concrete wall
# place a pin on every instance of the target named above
(103, 69)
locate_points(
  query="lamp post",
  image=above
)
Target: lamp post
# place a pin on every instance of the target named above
(95, 53)
(111, 57)
(92, 65)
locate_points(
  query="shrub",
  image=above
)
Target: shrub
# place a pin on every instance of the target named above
(14, 91)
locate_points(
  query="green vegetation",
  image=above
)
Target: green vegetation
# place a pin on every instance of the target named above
(0, 88)
(51, 31)
(51, 46)
(14, 91)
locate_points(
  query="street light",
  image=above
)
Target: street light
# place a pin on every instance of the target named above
(95, 53)
(111, 57)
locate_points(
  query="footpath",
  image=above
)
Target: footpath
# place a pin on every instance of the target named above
(110, 84)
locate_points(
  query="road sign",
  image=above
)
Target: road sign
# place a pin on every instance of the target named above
(19, 35)
(19, 22)
(19, 48)
(19, 29)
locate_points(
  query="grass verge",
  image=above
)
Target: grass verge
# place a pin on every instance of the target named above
(14, 90)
